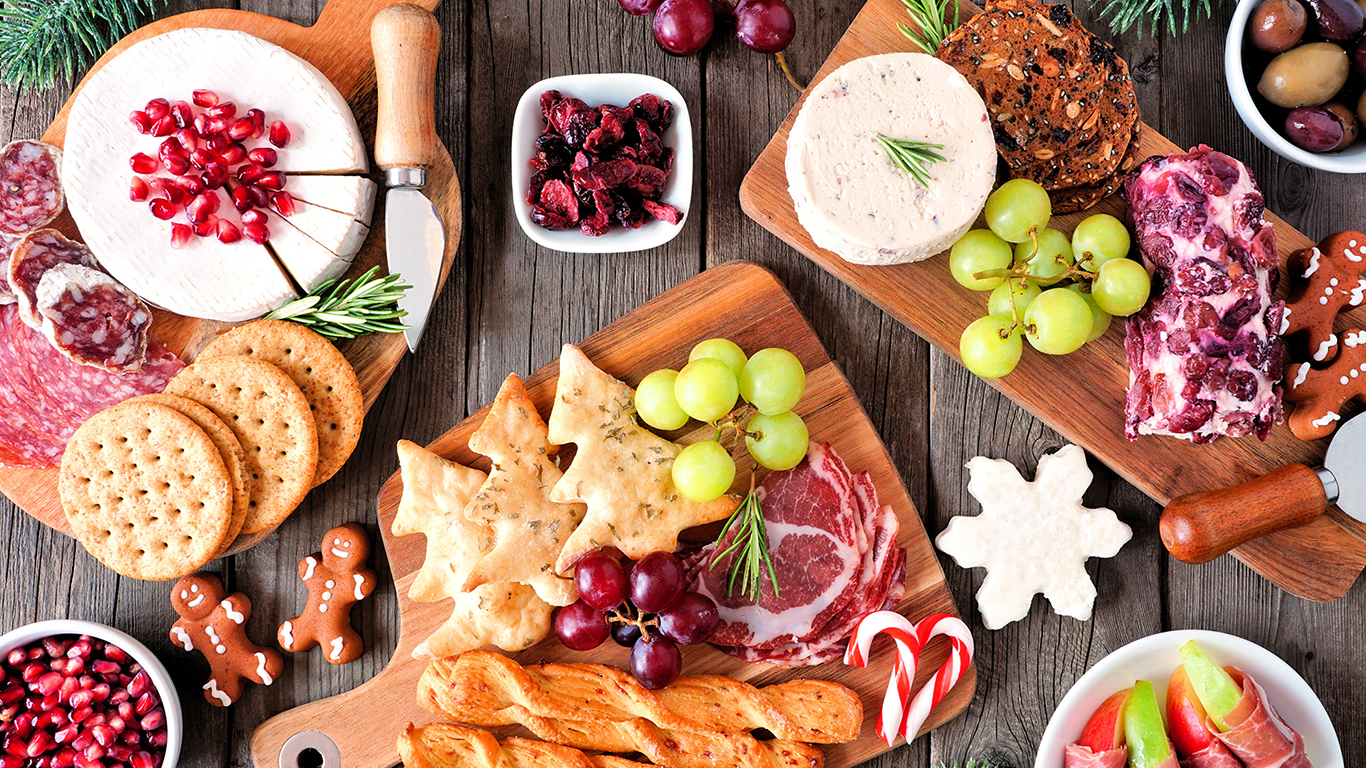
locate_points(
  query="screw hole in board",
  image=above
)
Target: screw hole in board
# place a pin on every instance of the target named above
(310, 749)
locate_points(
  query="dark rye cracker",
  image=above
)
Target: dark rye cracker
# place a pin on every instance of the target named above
(1080, 198)
(1061, 100)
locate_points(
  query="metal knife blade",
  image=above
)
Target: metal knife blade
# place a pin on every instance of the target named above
(1346, 459)
(416, 243)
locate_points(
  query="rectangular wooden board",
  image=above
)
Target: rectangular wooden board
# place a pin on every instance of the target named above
(739, 301)
(1080, 395)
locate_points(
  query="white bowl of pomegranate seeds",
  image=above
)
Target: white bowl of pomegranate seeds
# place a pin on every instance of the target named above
(74, 694)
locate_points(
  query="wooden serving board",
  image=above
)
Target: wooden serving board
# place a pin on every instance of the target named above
(1080, 395)
(330, 45)
(742, 302)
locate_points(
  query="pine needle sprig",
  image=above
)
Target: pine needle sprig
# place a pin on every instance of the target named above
(750, 547)
(1121, 15)
(350, 308)
(41, 40)
(913, 157)
(932, 19)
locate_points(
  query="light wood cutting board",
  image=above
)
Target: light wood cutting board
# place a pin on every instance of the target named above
(747, 304)
(1080, 395)
(338, 46)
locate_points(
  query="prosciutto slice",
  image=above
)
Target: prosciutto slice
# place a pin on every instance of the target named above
(1262, 738)
(1077, 756)
(1216, 755)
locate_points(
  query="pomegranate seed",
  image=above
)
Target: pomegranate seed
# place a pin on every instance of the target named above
(227, 233)
(141, 163)
(99, 733)
(216, 124)
(14, 745)
(69, 686)
(279, 134)
(88, 682)
(79, 699)
(50, 702)
(164, 210)
(215, 175)
(81, 714)
(248, 174)
(95, 719)
(118, 695)
(55, 647)
(182, 114)
(203, 97)
(164, 126)
(180, 235)
(178, 164)
(49, 683)
(241, 199)
(157, 739)
(188, 139)
(193, 185)
(201, 126)
(260, 196)
(40, 743)
(118, 724)
(83, 741)
(11, 694)
(132, 737)
(264, 156)
(240, 128)
(141, 120)
(157, 108)
(205, 228)
(176, 196)
(33, 670)
(171, 146)
(64, 759)
(66, 733)
(149, 699)
(56, 717)
(12, 761)
(200, 158)
(76, 665)
(58, 665)
(257, 233)
(81, 761)
(120, 752)
(225, 110)
(233, 154)
(217, 142)
(284, 203)
(16, 657)
(36, 652)
(258, 123)
(142, 759)
(6, 715)
(254, 216)
(196, 211)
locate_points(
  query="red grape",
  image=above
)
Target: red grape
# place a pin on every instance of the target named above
(639, 7)
(580, 626)
(625, 635)
(656, 582)
(656, 663)
(766, 26)
(683, 27)
(691, 620)
(601, 580)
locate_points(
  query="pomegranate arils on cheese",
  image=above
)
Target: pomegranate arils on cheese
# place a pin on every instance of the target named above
(249, 174)
(279, 134)
(228, 232)
(180, 235)
(233, 154)
(254, 216)
(263, 156)
(162, 208)
(257, 233)
(240, 129)
(283, 202)
(274, 181)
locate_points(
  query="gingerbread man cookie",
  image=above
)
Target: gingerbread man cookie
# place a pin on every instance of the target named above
(214, 623)
(1319, 395)
(337, 579)
(1328, 280)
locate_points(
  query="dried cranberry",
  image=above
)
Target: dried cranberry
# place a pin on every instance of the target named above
(533, 187)
(548, 101)
(631, 214)
(600, 222)
(648, 182)
(558, 199)
(650, 145)
(551, 152)
(563, 110)
(548, 220)
(610, 131)
(662, 211)
(608, 175)
(659, 113)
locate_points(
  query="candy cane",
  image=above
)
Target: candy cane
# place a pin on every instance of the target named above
(896, 717)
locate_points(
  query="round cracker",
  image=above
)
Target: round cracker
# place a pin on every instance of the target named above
(270, 417)
(322, 373)
(228, 447)
(146, 491)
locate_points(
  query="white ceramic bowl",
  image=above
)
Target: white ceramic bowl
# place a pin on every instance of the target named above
(1153, 658)
(618, 89)
(1349, 160)
(170, 700)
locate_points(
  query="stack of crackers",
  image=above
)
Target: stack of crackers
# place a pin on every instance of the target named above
(159, 485)
(1061, 101)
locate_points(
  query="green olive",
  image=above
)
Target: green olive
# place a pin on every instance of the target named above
(1305, 76)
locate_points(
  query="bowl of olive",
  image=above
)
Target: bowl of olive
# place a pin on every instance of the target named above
(1296, 70)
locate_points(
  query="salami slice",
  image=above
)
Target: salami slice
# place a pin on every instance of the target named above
(30, 186)
(92, 319)
(34, 255)
(7, 243)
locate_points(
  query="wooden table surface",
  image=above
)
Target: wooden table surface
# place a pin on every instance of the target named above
(510, 305)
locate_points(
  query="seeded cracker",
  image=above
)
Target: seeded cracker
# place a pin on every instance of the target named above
(1072, 199)
(529, 529)
(146, 491)
(621, 471)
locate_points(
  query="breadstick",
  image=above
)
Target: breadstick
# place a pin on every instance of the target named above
(673, 749)
(815, 711)
(442, 745)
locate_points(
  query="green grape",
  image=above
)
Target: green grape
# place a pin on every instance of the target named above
(706, 389)
(724, 350)
(1060, 320)
(1051, 259)
(655, 401)
(703, 471)
(1098, 239)
(1024, 291)
(1121, 287)
(979, 251)
(783, 440)
(773, 381)
(1018, 207)
(1100, 319)
(989, 347)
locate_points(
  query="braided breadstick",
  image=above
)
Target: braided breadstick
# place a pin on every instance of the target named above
(442, 745)
(816, 711)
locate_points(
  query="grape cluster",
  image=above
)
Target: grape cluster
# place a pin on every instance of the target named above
(646, 610)
(684, 27)
(1059, 293)
(707, 389)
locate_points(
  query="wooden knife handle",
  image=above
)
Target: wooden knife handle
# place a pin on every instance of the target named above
(405, 40)
(1199, 527)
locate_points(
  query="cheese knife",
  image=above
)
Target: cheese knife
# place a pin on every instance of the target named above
(405, 40)
(1199, 527)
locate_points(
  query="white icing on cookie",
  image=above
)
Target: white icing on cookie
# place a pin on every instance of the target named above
(212, 688)
(214, 639)
(182, 638)
(339, 552)
(261, 671)
(337, 645)
(360, 580)
(322, 607)
(1327, 419)
(1355, 338)
(1358, 293)
(327, 596)
(1300, 375)
(329, 584)
(1313, 263)
(1344, 381)
(309, 565)
(237, 616)
(287, 634)
(1285, 321)
(1321, 353)
(196, 601)
(1333, 282)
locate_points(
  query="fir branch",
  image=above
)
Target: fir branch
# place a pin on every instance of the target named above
(913, 157)
(41, 40)
(750, 546)
(1121, 15)
(933, 22)
(350, 308)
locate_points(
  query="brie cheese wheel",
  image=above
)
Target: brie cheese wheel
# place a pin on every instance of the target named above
(351, 195)
(308, 262)
(337, 232)
(205, 278)
(849, 195)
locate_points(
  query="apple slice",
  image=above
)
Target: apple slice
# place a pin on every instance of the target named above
(1215, 688)
(1105, 730)
(1186, 716)
(1143, 730)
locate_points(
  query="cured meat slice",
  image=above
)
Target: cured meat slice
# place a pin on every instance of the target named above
(1205, 355)
(30, 186)
(92, 319)
(1216, 755)
(7, 243)
(34, 255)
(1077, 756)
(44, 396)
(1262, 739)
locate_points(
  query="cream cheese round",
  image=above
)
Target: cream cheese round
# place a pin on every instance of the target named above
(848, 194)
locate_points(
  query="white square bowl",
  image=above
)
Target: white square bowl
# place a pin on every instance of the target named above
(596, 90)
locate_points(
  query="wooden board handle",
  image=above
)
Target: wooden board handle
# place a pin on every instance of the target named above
(1199, 527)
(405, 40)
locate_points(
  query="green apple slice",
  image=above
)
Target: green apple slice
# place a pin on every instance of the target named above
(1215, 688)
(1143, 730)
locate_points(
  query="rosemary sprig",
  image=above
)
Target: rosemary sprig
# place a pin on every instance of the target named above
(913, 157)
(350, 308)
(750, 547)
(1123, 14)
(933, 22)
(41, 40)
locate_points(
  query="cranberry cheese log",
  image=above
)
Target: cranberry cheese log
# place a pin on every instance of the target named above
(1205, 355)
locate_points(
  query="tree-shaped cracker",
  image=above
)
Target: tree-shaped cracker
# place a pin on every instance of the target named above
(621, 471)
(529, 529)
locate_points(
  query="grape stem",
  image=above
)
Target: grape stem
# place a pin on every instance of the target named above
(791, 78)
(647, 623)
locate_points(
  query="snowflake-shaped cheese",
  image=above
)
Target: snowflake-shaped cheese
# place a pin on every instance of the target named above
(1033, 537)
